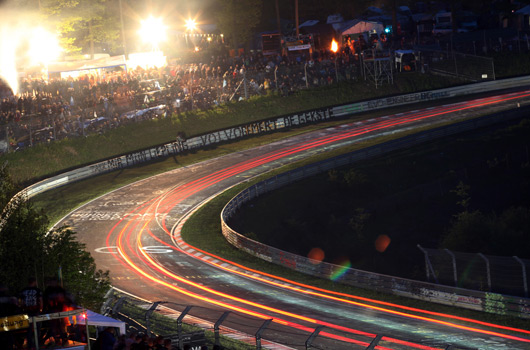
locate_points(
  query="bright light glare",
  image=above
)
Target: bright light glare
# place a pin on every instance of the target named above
(191, 25)
(153, 30)
(147, 60)
(8, 69)
(43, 46)
(334, 46)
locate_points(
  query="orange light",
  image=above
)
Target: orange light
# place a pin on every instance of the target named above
(381, 243)
(334, 46)
(316, 254)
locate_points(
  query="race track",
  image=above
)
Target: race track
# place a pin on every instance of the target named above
(134, 233)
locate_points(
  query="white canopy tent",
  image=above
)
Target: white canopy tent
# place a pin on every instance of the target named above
(98, 320)
(360, 26)
(84, 65)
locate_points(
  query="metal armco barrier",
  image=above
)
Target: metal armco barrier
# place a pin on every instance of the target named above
(260, 333)
(459, 297)
(263, 126)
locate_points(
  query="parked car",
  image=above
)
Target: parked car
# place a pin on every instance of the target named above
(445, 28)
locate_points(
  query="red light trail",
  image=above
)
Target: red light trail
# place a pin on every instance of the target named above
(130, 246)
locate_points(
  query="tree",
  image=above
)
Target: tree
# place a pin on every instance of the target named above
(83, 23)
(29, 249)
(238, 18)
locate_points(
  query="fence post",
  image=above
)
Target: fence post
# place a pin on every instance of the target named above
(455, 276)
(374, 342)
(525, 284)
(117, 307)
(245, 83)
(428, 265)
(179, 324)
(312, 336)
(217, 325)
(30, 133)
(258, 333)
(306, 82)
(276, 77)
(148, 316)
(488, 272)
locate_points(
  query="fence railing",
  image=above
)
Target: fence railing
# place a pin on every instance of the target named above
(450, 295)
(196, 326)
(498, 274)
(466, 66)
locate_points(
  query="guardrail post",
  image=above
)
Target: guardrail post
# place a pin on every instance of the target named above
(488, 272)
(117, 307)
(179, 323)
(374, 342)
(148, 314)
(36, 334)
(525, 284)
(312, 336)
(428, 265)
(455, 276)
(216, 327)
(258, 333)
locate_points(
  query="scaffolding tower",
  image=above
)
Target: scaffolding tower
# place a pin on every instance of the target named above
(377, 67)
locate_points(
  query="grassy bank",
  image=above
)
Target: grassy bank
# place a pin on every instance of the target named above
(46, 159)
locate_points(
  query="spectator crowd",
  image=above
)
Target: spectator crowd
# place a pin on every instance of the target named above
(47, 110)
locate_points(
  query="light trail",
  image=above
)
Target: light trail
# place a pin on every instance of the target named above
(165, 203)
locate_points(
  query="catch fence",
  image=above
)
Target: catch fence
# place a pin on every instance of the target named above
(461, 65)
(497, 274)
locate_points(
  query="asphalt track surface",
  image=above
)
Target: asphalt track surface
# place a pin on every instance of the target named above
(135, 233)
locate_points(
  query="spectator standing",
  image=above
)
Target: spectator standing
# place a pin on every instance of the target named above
(55, 300)
(31, 301)
(8, 307)
(107, 339)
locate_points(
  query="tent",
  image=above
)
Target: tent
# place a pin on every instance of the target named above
(70, 66)
(361, 26)
(98, 320)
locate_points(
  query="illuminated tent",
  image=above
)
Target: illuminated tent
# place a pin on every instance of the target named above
(98, 320)
(360, 26)
(87, 65)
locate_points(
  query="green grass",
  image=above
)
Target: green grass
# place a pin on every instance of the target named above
(59, 202)
(43, 160)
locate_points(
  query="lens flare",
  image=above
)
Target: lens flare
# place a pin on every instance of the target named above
(153, 31)
(316, 255)
(381, 243)
(340, 270)
(24, 43)
(43, 46)
(8, 69)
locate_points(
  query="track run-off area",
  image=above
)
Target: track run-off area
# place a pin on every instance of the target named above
(134, 232)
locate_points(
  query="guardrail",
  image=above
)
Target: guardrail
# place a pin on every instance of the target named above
(259, 127)
(459, 297)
